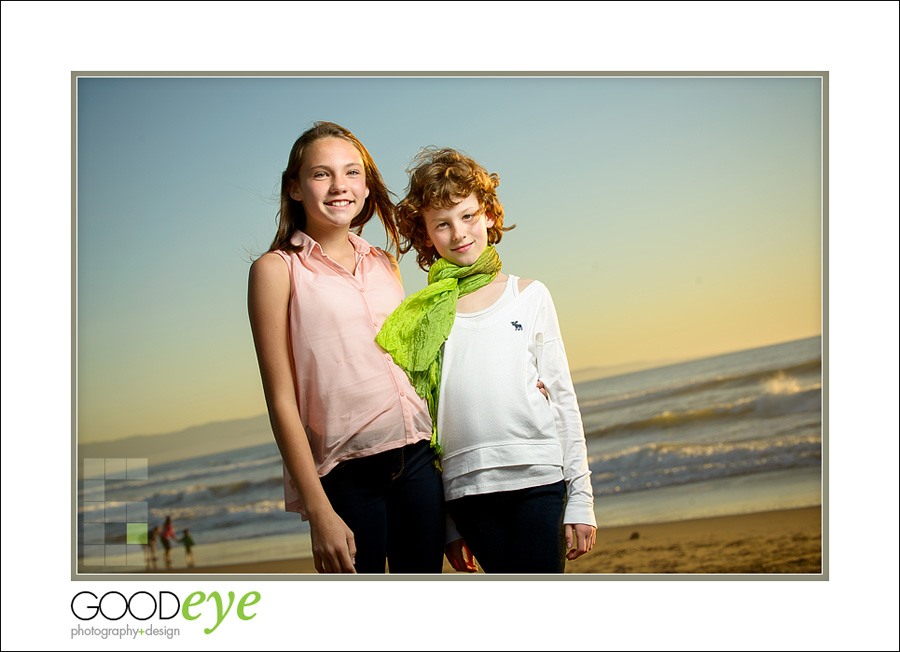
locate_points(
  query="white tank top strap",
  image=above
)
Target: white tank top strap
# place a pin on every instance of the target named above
(512, 284)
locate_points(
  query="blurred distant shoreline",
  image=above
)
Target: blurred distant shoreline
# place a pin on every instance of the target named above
(783, 542)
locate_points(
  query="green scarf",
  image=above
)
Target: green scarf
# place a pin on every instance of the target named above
(414, 333)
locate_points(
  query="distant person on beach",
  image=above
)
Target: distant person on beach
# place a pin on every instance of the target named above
(167, 538)
(150, 547)
(188, 542)
(352, 432)
(515, 471)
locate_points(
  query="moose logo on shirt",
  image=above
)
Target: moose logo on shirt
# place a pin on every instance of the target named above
(516, 325)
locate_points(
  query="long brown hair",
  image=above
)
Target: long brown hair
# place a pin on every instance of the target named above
(291, 215)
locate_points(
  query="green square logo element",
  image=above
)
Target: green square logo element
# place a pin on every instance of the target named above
(137, 533)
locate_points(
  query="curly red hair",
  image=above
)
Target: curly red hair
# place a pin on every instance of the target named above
(438, 178)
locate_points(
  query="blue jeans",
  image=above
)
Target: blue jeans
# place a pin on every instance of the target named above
(514, 531)
(394, 504)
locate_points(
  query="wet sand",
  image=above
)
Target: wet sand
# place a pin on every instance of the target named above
(785, 541)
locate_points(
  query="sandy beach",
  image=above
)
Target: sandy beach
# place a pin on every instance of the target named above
(785, 541)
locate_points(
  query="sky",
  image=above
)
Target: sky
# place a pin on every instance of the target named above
(671, 217)
(857, 43)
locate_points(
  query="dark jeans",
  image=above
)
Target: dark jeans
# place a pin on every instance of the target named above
(514, 531)
(393, 503)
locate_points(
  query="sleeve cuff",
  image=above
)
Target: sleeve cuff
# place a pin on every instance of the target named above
(579, 513)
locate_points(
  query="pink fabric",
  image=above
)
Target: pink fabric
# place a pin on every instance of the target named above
(354, 401)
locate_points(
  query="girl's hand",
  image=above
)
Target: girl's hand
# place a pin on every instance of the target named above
(580, 538)
(333, 545)
(543, 390)
(460, 557)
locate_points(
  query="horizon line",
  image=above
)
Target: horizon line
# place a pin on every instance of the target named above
(658, 364)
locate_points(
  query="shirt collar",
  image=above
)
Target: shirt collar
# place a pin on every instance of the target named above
(301, 239)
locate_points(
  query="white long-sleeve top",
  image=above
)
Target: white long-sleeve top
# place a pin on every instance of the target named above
(497, 431)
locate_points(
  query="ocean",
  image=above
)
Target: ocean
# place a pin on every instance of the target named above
(730, 434)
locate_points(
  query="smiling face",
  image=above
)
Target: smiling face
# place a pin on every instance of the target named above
(458, 233)
(331, 184)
